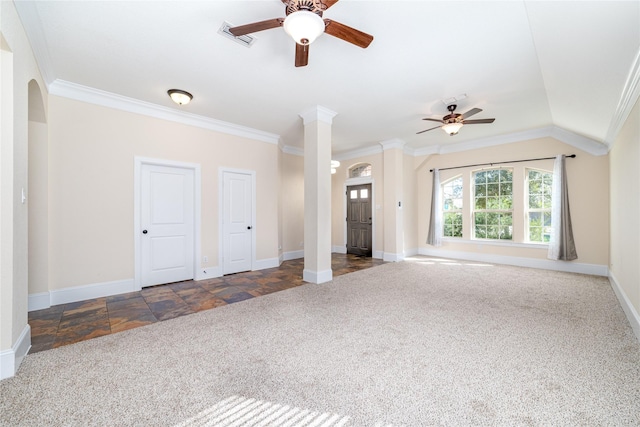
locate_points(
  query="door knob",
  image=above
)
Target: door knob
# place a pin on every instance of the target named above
(249, 227)
(144, 231)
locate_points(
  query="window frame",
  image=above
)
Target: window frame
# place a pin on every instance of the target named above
(459, 212)
(360, 167)
(500, 211)
(544, 210)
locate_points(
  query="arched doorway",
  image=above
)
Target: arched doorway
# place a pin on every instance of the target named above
(38, 200)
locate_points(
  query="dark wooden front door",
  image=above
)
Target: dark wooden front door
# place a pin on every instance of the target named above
(359, 220)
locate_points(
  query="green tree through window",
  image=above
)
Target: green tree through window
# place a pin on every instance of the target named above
(493, 204)
(452, 208)
(539, 185)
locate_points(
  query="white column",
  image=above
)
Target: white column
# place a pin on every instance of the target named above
(317, 194)
(393, 190)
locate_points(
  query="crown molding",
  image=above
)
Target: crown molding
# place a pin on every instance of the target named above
(409, 151)
(426, 151)
(318, 113)
(361, 152)
(111, 100)
(392, 143)
(294, 151)
(30, 18)
(580, 142)
(628, 99)
(495, 140)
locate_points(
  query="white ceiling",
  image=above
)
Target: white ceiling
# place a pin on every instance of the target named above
(529, 64)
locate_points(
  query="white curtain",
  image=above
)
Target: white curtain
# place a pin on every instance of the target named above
(562, 245)
(435, 222)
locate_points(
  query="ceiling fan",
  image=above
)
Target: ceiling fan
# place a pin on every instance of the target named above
(452, 122)
(304, 23)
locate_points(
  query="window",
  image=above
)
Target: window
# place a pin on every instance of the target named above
(452, 208)
(360, 170)
(493, 204)
(539, 185)
(364, 194)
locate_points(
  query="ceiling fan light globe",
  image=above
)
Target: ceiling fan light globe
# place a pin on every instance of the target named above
(303, 26)
(452, 128)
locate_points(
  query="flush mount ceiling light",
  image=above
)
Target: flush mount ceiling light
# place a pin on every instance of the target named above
(180, 97)
(303, 26)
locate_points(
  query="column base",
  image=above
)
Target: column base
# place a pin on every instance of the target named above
(317, 276)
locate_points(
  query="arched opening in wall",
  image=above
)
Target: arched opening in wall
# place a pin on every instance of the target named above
(38, 200)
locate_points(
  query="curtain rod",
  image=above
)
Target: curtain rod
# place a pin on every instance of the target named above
(573, 156)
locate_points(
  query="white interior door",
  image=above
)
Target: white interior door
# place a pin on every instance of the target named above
(167, 224)
(237, 226)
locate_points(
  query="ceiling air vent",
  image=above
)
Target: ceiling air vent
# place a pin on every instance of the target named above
(245, 40)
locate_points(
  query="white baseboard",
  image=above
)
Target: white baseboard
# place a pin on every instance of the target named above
(543, 264)
(262, 264)
(317, 276)
(391, 257)
(339, 249)
(214, 272)
(96, 290)
(411, 252)
(39, 301)
(292, 255)
(10, 360)
(627, 307)
(208, 273)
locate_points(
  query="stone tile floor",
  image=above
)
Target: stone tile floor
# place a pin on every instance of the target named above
(78, 321)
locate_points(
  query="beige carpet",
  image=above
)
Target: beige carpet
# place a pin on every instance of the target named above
(423, 342)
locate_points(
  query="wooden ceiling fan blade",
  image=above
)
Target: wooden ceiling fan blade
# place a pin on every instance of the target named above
(477, 121)
(329, 3)
(241, 30)
(302, 55)
(347, 33)
(471, 113)
(427, 130)
(434, 120)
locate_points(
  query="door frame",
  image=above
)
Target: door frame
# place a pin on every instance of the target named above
(221, 172)
(360, 181)
(137, 219)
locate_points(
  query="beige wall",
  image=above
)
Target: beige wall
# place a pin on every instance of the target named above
(91, 186)
(338, 209)
(18, 68)
(338, 202)
(393, 213)
(38, 208)
(625, 208)
(292, 203)
(410, 206)
(408, 212)
(588, 178)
